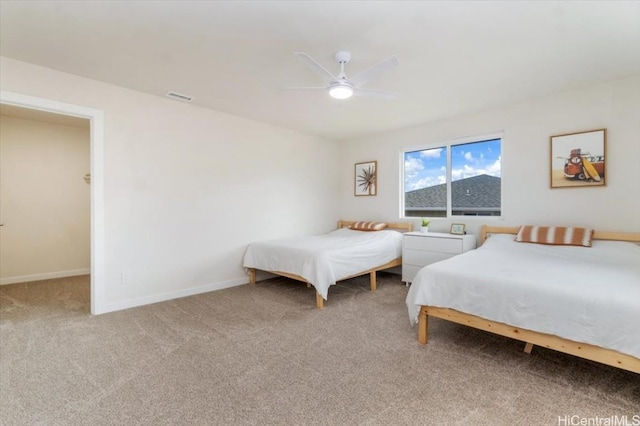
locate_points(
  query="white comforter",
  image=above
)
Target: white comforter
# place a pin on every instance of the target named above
(324, 259)
(589, 295)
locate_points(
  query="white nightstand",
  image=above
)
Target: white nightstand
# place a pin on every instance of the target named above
(421, 249)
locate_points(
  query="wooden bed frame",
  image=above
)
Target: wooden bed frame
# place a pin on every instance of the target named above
(583, 350)
(403, 226)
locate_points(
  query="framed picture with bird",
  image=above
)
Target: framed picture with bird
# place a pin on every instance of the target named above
(578, 159)
(366, 178)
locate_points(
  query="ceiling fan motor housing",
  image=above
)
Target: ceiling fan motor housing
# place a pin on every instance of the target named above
(342, 57)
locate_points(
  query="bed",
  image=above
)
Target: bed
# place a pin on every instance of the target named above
(584, 301)
(322, 260)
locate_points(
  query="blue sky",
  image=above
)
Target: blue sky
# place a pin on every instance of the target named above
(428, 167)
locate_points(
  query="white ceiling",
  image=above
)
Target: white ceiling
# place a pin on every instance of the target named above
(236, 56)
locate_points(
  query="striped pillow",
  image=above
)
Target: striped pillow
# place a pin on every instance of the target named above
(368, 226)
(555, 235)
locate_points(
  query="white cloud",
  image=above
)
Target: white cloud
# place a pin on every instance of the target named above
(412, 167)
(468, 171)
(426, 182)
(494, 169)
(432, 153)
(465, 172)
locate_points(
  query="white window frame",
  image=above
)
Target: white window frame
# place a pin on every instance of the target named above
(447, 145)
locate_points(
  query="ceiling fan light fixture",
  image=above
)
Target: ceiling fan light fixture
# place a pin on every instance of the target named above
(339, 86)
(341, 91)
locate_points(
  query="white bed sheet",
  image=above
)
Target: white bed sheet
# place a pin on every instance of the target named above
(585, 294)
(324, 259)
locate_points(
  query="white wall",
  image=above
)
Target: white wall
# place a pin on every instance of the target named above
(527, 126)
(186, 188)
(45, 200)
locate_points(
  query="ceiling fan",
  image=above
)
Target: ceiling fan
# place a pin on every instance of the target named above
(341, 87)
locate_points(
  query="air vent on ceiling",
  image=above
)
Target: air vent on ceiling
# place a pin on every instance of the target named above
(179, 96)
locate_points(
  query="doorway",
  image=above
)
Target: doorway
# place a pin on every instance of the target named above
(96, 126)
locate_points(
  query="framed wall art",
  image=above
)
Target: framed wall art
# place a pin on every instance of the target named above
(457, 229)
(578, 159)
(366, 178)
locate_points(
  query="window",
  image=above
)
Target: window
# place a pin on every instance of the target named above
(459, 178)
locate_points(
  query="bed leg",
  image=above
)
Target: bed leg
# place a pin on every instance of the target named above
(423, 325)
(252, 275)
(319, 301)
(372, 279)
(528, 347)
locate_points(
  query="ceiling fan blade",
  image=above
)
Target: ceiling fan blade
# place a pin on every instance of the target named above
(372, 93)
(316, 67)
(305, 88)
(373, 72)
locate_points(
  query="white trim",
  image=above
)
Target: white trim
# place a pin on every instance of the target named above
(163, 297)
(458, 141)
(447, 148)
(96, 117)
(45, 276)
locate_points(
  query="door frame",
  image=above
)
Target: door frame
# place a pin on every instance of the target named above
(96, 120)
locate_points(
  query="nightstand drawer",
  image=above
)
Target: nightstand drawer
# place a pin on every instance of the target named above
(421, 257)
(421, 249)
(444, 245)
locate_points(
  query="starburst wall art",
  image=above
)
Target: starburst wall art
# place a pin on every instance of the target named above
(366, 178)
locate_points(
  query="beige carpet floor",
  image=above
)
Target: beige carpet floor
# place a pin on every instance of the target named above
(263, 355)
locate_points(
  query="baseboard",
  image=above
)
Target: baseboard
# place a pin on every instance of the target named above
(46, 276)
(163, 297)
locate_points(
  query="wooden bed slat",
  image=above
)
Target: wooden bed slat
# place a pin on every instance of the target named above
(403, 226)
(582, 350)
(597, 235)
(319, 300)
(400, 226)
(531, 338)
